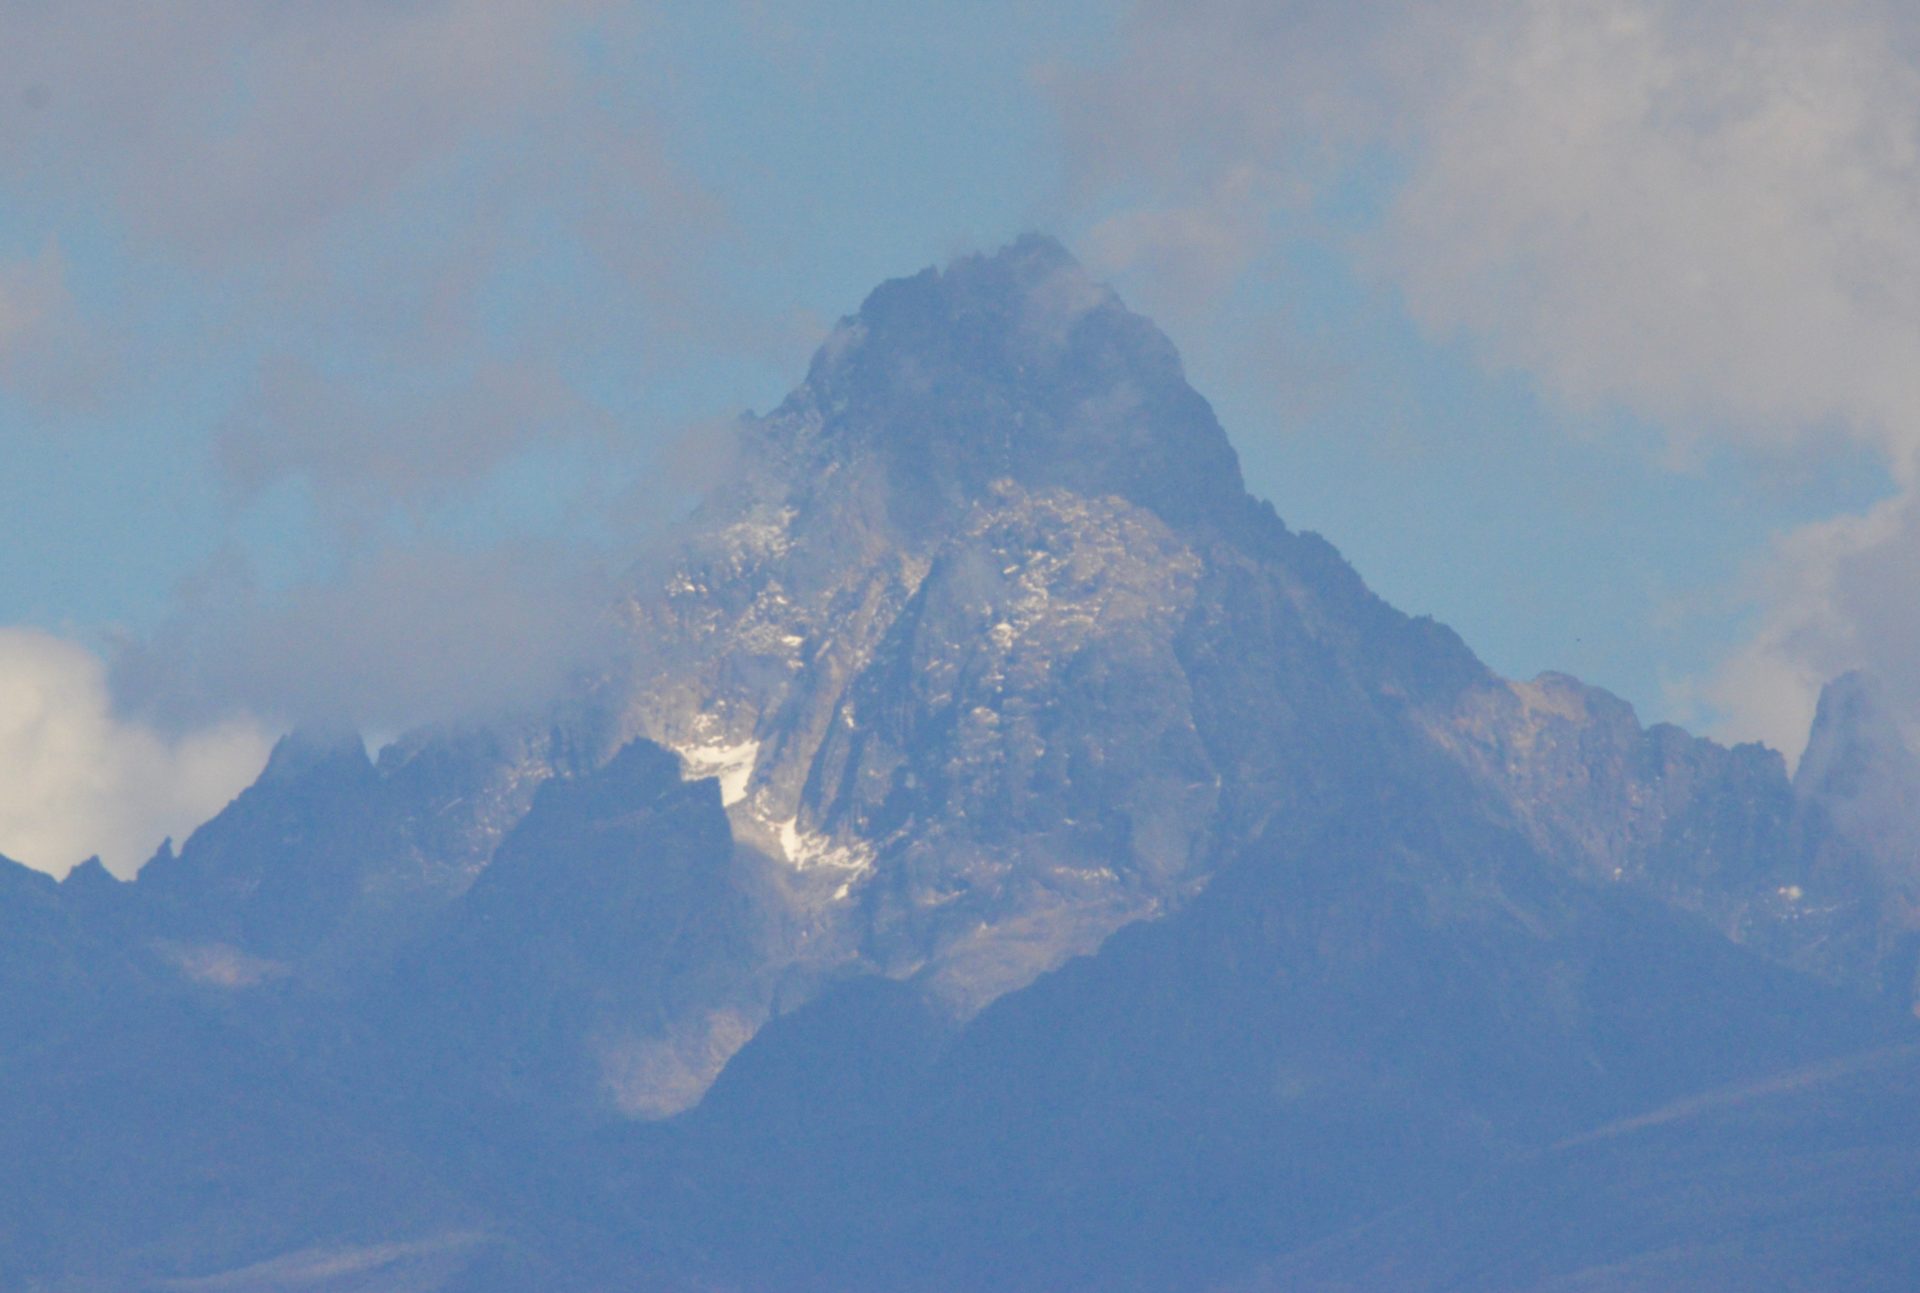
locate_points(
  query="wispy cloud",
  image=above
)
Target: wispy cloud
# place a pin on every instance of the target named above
(404, 634)
(403, 246)
(221, 128)
(411, 447)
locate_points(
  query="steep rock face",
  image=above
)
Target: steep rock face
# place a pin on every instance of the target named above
(875, 639)
(272, 876)
(1012, 369)
(1020, 756)
(989, 645)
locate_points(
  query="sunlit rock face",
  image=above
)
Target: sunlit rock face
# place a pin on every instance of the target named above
(989, 646)
(928, 640)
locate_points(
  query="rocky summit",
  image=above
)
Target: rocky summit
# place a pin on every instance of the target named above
(1006, 856)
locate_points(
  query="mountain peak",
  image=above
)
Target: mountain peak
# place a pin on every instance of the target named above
(1031, 286)
(1859, 769)
(1018, 365)
(1855, 742)
(300, 753)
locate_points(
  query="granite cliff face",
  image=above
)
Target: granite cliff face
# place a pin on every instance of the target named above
(1008, 851)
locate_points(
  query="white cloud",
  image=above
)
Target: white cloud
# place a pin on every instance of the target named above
(1702, 211)
(1713, 217)
(439, 207)
(77, 780)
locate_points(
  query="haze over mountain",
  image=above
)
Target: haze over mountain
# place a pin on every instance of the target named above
(1006, 855)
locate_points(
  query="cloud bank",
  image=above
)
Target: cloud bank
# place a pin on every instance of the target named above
(1707, 214)
(76, 780)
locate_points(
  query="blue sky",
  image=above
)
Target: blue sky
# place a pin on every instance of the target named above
(327, 331)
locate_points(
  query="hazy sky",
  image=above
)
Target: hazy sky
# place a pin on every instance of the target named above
(346, 347)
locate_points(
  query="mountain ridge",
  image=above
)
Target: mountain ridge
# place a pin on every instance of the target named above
(1006, 840)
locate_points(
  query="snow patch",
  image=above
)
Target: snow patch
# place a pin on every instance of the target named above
(806, 850)
(220, 965)
(732, 764)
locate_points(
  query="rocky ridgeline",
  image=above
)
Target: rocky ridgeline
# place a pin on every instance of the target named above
(997, 804)
(991, 654)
